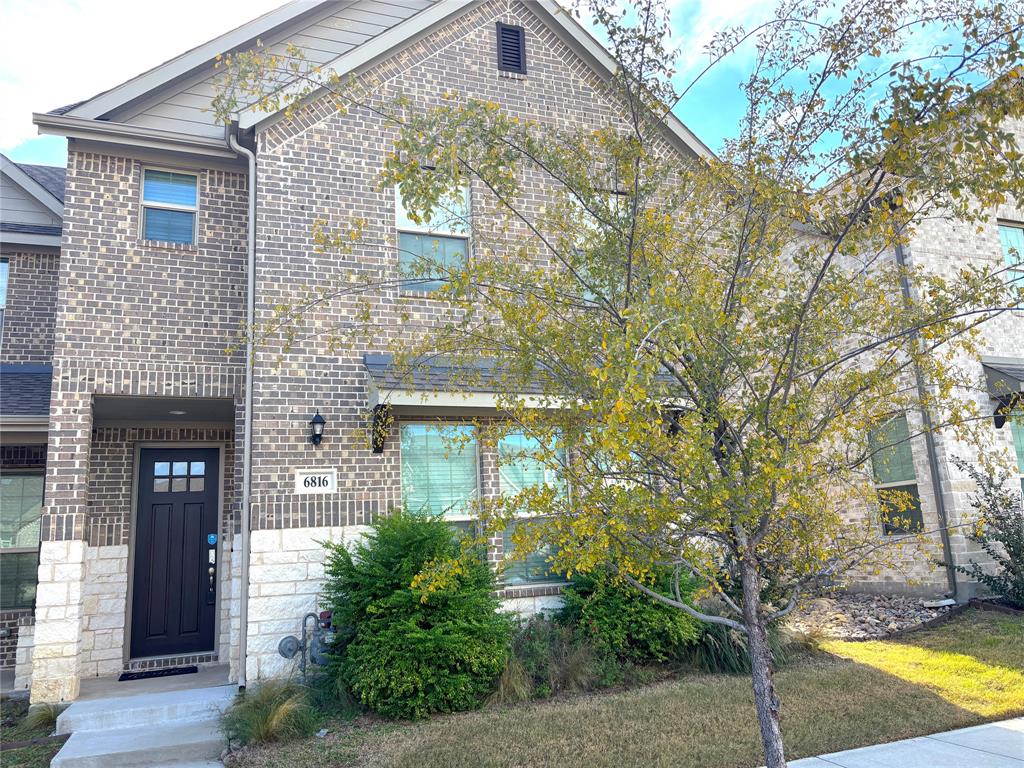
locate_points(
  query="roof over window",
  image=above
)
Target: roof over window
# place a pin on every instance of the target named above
(25, 390)
(1004, 376)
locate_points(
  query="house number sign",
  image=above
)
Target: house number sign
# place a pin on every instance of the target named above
(316, 481)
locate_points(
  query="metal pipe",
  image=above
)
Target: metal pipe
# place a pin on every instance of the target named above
(929, 441)
(250, 320)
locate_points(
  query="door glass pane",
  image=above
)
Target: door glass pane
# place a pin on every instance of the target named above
(161, 485)
(162, 469)
(196, 484)
(438, 475)
(180, 468)
(197, 468)
(179, 484)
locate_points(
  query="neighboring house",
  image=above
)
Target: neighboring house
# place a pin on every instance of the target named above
(31, 212)
(165, 540)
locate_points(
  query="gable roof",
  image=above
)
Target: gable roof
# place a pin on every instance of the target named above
(169, 103)
(49, 177)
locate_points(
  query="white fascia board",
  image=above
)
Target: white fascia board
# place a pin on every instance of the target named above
(26, 238)
(159, 76)
(14, 173)
(133, 135)
(380, 46)
(25, 423)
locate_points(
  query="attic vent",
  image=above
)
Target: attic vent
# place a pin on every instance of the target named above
(511, 49)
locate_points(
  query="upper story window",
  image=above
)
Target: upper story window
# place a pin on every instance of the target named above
(1011, 238)
(431, 249)
(170, 201)
(892, 464)
(511, 49)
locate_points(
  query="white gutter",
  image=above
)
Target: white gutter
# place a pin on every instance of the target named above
(250, 320)
(133, 135)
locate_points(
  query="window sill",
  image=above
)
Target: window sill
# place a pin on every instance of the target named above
(506, 75)
(166, 245)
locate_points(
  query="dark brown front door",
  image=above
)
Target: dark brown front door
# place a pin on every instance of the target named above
(174, 584)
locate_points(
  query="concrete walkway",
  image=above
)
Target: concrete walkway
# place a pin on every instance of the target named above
(994, 745)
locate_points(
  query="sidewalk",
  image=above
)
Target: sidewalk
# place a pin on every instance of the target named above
(994, 745)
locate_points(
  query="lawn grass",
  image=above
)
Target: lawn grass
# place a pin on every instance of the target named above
(846, 695)
(15, 727)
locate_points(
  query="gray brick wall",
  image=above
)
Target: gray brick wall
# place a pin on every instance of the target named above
(31, 306)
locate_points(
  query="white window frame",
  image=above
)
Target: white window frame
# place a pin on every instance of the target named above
(143, 205)
(412, 228)
(451, 517)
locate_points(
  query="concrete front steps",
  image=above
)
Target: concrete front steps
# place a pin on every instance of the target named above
(178, 728)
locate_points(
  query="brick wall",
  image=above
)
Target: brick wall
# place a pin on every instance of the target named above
(325, 164)
(31, 307)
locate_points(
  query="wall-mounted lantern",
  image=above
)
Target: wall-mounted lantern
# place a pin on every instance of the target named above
(380, 425)
(316, 428)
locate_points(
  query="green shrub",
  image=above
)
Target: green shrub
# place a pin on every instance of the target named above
(1000, 533)
(273, 710)
(619, 620)
(403, 651)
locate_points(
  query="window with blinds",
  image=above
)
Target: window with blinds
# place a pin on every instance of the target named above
(21, 504)
(431, 249)
(522, 465)
(439, 469)
(170, 202)
(892, 464)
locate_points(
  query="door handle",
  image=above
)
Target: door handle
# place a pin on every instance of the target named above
(213, 572)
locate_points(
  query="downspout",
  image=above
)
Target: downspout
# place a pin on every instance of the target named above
(929, 441)
(250, 320)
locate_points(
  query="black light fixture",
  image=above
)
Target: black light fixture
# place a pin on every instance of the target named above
(1007, 404)
(316, 428)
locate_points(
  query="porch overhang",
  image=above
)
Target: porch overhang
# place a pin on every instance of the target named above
(1004, 379)
(437, 387)
(131, 411)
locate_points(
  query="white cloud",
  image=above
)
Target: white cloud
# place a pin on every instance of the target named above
(55, 52)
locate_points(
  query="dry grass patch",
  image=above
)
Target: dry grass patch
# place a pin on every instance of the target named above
(847, 698)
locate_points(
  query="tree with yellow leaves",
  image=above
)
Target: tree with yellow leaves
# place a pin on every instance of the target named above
(700, 346)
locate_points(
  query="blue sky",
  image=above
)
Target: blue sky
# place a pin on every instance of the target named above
(55, 52)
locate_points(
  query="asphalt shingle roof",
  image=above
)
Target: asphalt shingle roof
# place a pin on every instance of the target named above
(48, 177)
(438, 374)
(25, 389)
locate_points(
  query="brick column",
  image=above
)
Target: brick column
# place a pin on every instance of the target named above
(56, 659)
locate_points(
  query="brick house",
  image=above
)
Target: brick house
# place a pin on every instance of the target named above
(173, 530)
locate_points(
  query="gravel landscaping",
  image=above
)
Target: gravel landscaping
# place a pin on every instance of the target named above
(846, 616)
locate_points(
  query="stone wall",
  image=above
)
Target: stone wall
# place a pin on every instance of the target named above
(30, 314)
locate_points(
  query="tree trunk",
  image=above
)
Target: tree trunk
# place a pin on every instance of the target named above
(765, 699)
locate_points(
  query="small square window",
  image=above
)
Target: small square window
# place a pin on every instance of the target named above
(180, 468)
(196, 484)
(197, 468)
(162, 469)
(179, 484)
(161, 485)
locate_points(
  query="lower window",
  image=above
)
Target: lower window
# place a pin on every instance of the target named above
(21, 503)
(534, 568)
(900, 507)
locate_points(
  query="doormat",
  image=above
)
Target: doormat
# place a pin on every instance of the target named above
(148, 673)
